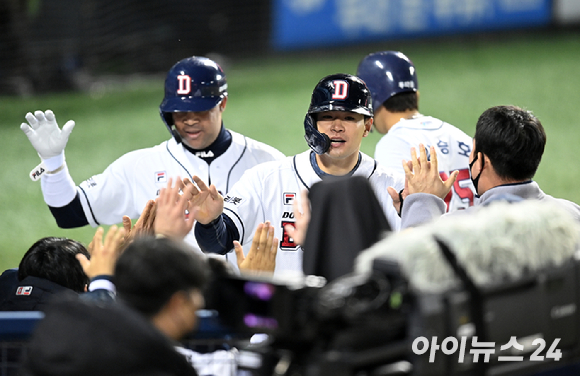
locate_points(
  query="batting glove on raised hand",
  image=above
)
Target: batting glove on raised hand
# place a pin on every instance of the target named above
(45, 135)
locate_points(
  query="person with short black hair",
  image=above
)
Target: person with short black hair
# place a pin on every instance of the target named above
(48, 269)
(159, 283)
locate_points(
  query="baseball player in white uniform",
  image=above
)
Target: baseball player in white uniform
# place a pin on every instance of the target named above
(392, 79)
(339, 116)
(195, 98)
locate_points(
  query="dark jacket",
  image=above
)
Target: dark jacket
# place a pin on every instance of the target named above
(346, 219)
(97, 338)
(33, 294)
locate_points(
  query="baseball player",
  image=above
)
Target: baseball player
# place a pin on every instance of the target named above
(195, 99)
(392, 79)
(339, 116)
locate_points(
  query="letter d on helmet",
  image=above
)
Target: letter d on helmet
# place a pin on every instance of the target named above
(337, 92)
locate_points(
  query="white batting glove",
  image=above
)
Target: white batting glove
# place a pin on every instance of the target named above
(45, 135)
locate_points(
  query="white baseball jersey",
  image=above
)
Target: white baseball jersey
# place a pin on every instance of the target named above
(267, 192)
(452, 145)
(136, 177)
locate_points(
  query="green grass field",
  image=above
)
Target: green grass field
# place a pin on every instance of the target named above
(268, 97)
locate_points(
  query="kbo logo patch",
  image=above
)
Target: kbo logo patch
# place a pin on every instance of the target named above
(24, 290)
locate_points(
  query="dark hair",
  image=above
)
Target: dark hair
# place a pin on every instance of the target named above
(513, 139)
(152, 269)
(53, 259)
(402, 102)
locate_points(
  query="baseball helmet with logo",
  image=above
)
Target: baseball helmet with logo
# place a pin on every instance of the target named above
(193, 84)
(387, 73)
(337, 92)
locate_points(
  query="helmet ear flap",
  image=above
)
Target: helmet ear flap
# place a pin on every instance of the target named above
(318, 142)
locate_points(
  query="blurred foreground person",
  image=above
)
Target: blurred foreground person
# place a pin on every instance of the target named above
(337, 233)
(159, 284)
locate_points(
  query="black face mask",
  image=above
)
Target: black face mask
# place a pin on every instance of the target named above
(475, 180)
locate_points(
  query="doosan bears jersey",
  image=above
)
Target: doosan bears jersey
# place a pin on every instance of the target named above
(267, 192)
(452, 145)
(136, 177)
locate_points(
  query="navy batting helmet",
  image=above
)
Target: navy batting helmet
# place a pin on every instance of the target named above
(387, 73)
(337, 92)
(193, 84)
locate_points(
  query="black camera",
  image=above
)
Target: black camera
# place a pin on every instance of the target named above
(375, 324)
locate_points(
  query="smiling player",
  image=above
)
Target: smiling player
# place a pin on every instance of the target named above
(195, 99)
(339, 117)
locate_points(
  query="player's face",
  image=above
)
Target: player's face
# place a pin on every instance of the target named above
(346, 131)
(199, 129)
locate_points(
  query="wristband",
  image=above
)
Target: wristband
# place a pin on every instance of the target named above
(401, 200)
(37, 171)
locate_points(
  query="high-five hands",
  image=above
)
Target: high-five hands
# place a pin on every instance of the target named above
(422, 176)
(143, 226)
(104, 254)
(45, 135)
(262, 254)
(173, 218)
(206, 202)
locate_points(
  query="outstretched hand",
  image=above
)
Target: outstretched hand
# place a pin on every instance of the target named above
(45, 135)
(422, 175)
(172, 218)
(104, 255)
(143, 226)
(206, 202)
(262, 254)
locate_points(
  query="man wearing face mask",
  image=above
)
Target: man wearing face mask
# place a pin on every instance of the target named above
(507, 148)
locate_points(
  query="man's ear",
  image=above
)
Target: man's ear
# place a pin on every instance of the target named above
(487, 163)
(368, 126)
(223, 103)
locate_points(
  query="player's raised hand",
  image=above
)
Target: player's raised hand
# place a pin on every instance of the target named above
(424, 176)
(262, 254)
(45, 135)
(301, 218)
(171, 219)
(104, 254)
(206, 202)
